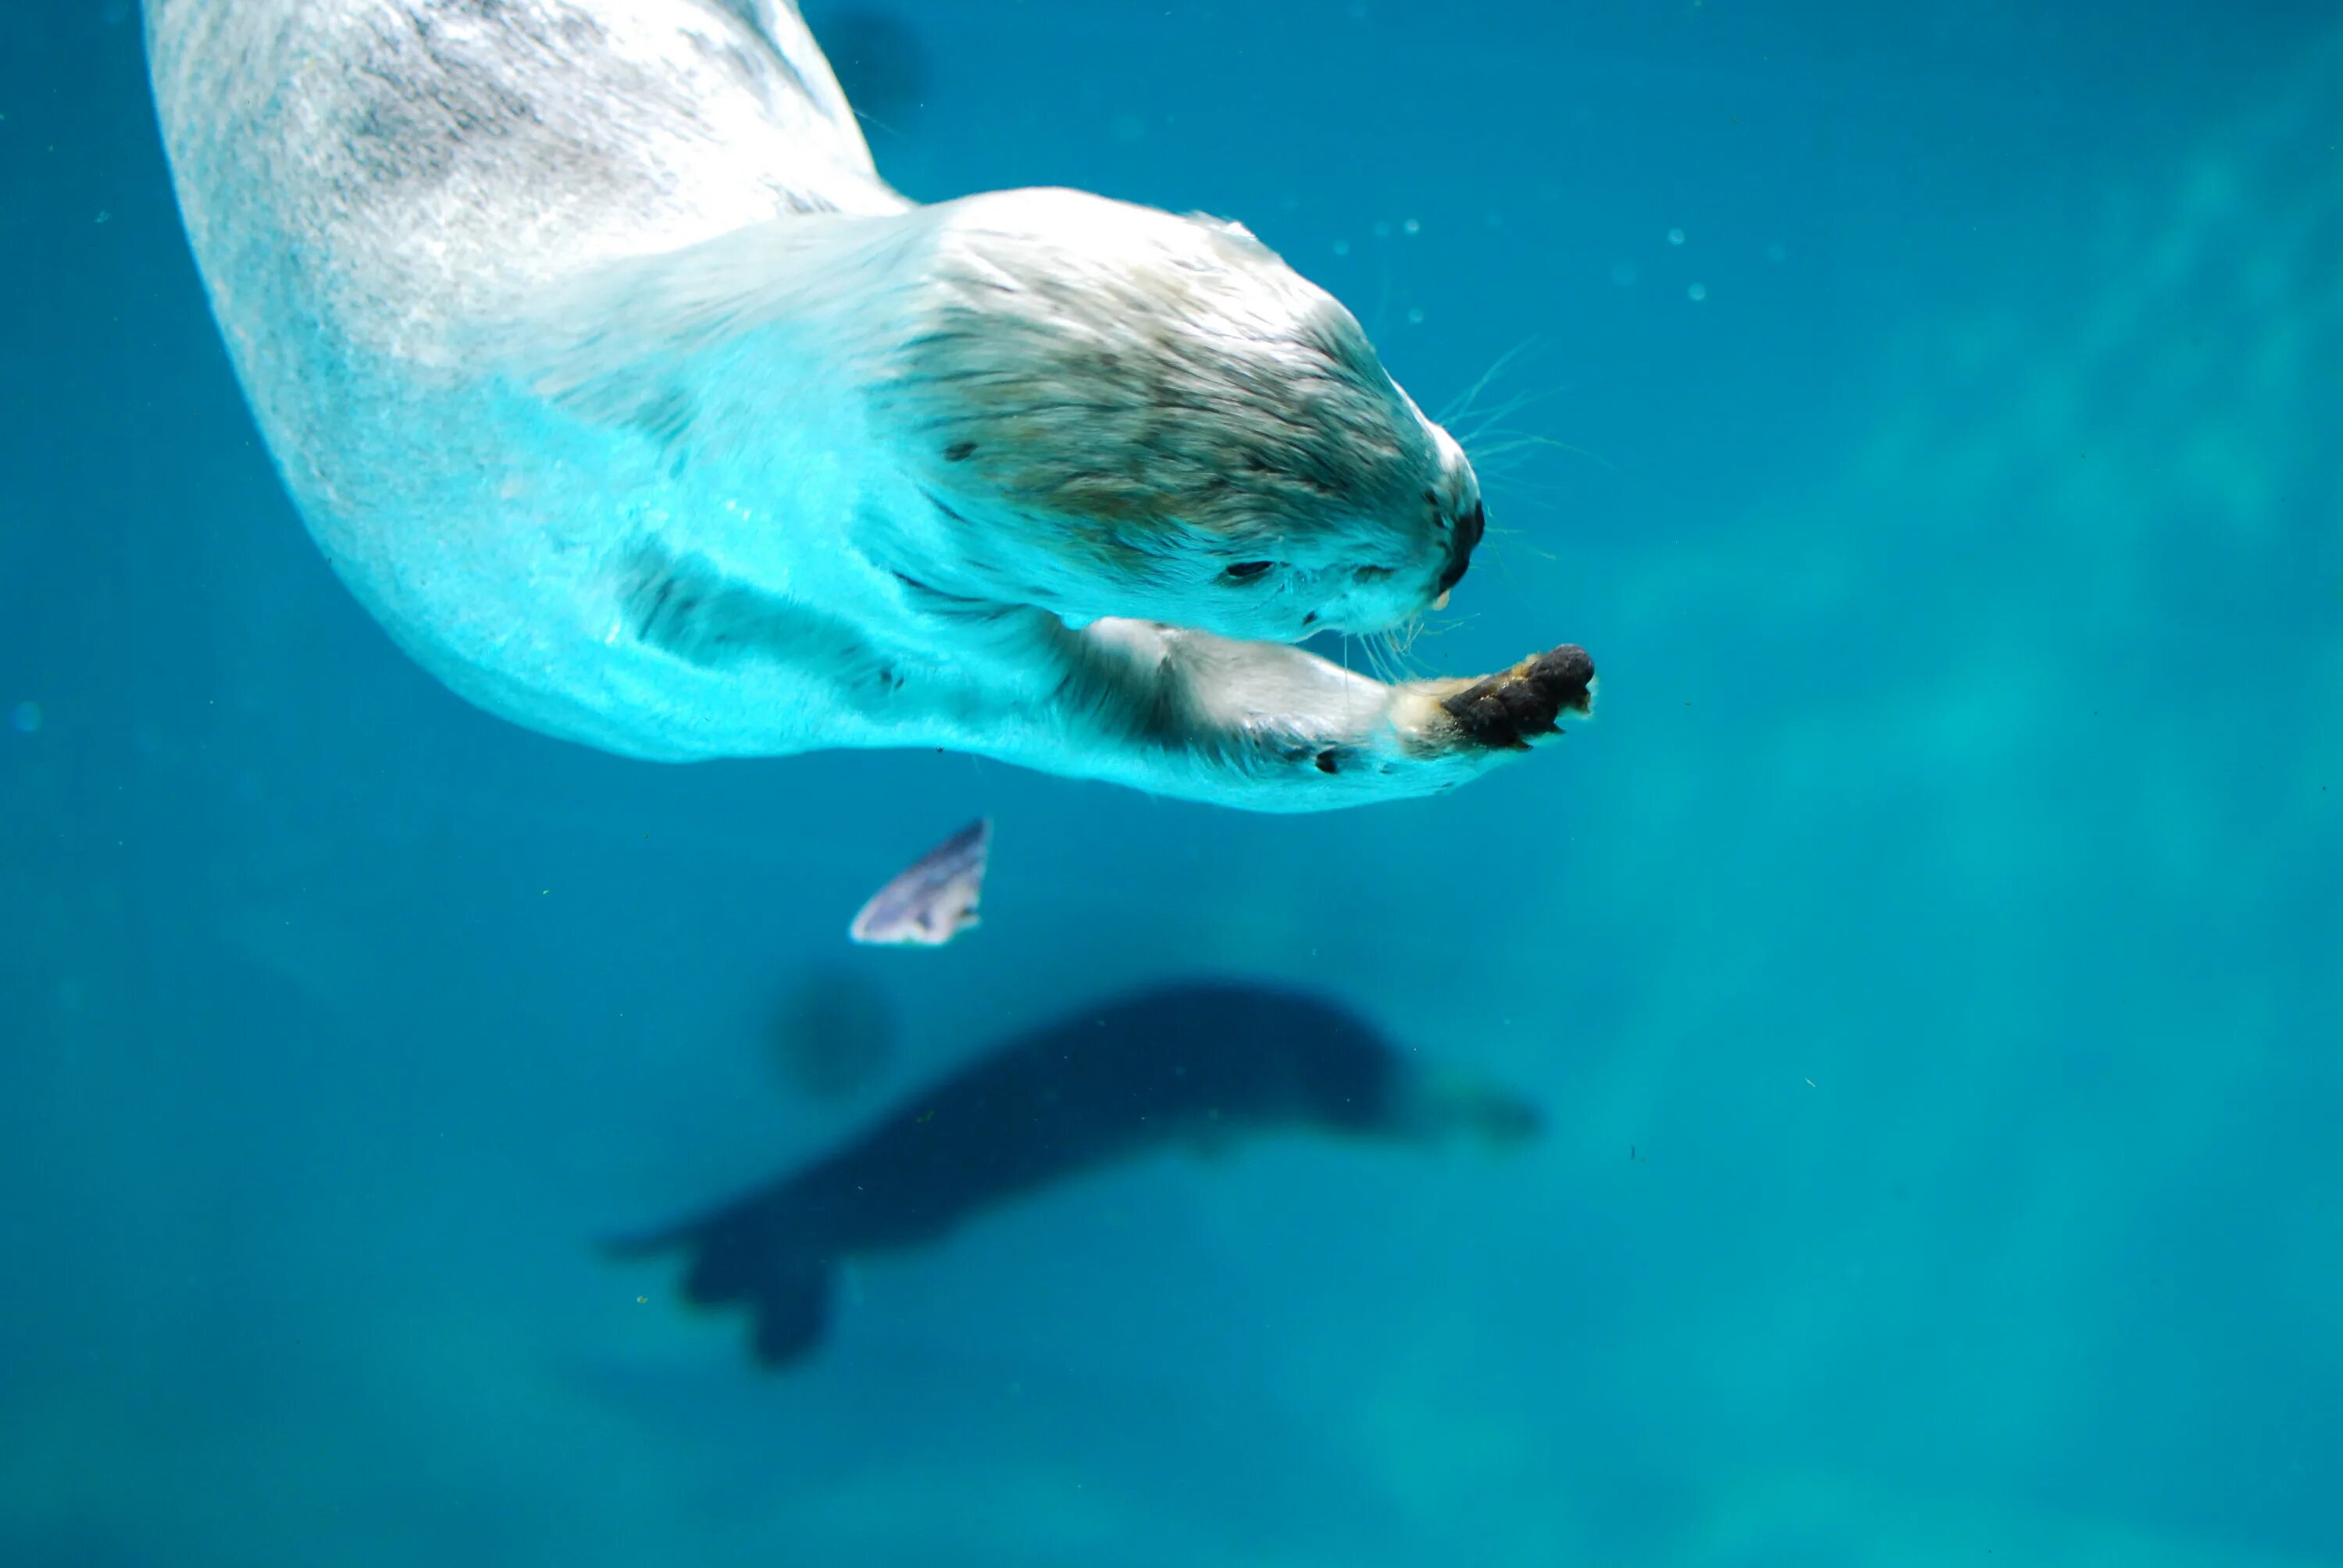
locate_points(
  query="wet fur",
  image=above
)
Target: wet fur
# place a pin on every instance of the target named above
(612, 379)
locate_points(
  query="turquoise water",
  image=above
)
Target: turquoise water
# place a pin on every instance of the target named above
(1927, 964)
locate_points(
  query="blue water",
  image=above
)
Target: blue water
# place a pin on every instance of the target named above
(1930, 963)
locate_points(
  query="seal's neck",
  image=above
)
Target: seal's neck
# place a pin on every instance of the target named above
(744, 360)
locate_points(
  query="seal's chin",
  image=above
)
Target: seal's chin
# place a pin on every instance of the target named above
(1379, 604)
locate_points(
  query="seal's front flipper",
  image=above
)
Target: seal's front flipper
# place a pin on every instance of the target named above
(1267, 727)
(742, 1256)
(1507, 710)
(788, 1296)
(792, 1314)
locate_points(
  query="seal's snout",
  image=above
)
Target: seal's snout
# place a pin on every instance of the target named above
(1466, 533)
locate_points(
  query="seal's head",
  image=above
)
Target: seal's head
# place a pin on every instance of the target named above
(1108, 410)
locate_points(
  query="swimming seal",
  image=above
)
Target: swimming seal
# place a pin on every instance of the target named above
(613, 380)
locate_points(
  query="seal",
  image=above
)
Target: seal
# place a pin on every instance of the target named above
(1201, 1065)
(616, 384)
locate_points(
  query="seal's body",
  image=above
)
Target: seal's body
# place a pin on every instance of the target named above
(614, 381)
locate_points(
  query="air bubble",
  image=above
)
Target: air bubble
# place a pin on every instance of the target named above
(1412, 226)
(1675, 236)
(1696, 293)
(25, 717)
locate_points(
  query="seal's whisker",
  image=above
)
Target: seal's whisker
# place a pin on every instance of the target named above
(1512, 443)
(1397, 640)
(1462, 405)
(1425, 628)
(1528, 397)
(1368, 646)
(1517, 544)
(1503, 466)
(1387, 659)
(1517, 488)
(1448, 624)
(1404, 635)
(1488, 423)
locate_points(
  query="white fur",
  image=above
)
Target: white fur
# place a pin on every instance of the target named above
(614, 383)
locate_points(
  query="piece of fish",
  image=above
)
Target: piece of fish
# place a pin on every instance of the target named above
(933, 900)
(1199, 1066)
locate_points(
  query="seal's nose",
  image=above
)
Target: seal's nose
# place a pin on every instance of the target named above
(1469, 528)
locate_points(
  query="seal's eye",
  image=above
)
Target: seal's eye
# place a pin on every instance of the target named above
(1245, 571)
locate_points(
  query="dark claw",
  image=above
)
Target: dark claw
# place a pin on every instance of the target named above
(1524, 701)
(1530, 709)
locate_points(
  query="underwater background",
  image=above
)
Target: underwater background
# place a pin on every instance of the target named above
(1929, 963)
